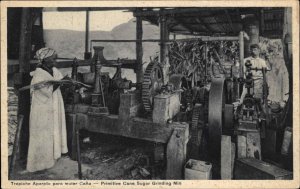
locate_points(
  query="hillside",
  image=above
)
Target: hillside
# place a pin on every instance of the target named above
(70, 44)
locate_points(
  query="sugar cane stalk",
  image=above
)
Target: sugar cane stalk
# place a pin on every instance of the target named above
(15, 147)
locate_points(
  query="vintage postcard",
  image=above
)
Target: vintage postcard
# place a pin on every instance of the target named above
(150, 94)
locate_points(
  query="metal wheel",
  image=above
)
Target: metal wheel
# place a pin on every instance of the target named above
(217, 96)
(152, 83)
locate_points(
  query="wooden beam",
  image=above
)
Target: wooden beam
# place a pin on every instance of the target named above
(138, 128)
(212, 23)
(221, 26)
(241, 65)
(204, 38)
(176, 151)
(24, 69)
(83, 9)
(126, 40)
(262, 22)
(71, 133)
(173, 23)
(229, 19)
(87, 34)
(164, 35)
(188, 27)
(139, 50)
(207, 27)
(254, 169)
(13, 65)
(227, 157)
(252, 29)
(176, 11)
(241, 146)
(25, 40)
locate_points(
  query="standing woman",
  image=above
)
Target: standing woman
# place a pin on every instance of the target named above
(47, 133)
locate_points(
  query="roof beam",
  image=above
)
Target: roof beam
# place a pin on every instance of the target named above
(77, 9)
(187, 10)
(229, 19)
(188, 27)
(207, 27)
(212, 23)
(221, 26)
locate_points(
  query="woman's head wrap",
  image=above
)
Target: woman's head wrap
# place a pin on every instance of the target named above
(44, 53)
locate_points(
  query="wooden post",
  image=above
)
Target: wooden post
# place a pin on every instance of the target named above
(288, 57)
(251, 27)
(287, 37)
(25, 40)
(176, 151)
(241, 44)
(227, 157)
(87, 54)
(241, 75)
(24, 77)
(71, 136)
(262, 22)
(164, 36)
(139, 50)
(241, 146)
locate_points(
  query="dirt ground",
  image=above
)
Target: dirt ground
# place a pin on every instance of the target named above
(105, 157)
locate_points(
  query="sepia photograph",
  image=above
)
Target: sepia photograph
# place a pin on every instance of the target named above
(148, 95)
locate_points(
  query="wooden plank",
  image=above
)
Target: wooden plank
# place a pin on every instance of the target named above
(233, 152)
(253, 145)
(254, 169)
(71, 135)
(137, 128)
(242, 145)
(269, 143)
(226, 158)
(176, 152)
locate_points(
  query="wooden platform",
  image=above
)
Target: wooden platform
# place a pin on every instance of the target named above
(174, 135)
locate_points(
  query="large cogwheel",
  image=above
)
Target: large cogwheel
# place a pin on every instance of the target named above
(152, 83)
(197, 124)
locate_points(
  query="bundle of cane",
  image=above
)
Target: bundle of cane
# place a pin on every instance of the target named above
(193, 58)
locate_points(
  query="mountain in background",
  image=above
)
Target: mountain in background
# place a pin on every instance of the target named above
(70, 44)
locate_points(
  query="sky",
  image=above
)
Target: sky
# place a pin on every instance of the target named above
(99, 20)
